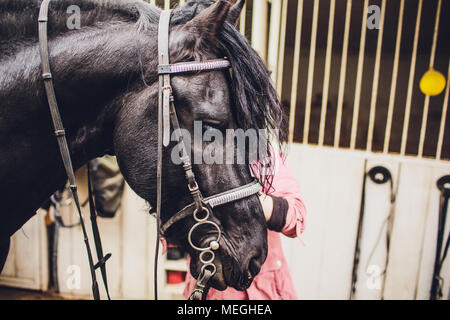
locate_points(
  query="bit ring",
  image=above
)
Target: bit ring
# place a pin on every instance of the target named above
(208, 261)
(206, 217)
(219, 233)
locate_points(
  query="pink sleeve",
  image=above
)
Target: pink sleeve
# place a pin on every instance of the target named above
(285, 186)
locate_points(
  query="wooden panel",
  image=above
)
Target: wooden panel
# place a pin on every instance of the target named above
(331, 186)
(134, 247)
(373, 240)
(129, 237)
(9, 268)
(331, 182)
(27, 263)
(429, 245)
(408, 233)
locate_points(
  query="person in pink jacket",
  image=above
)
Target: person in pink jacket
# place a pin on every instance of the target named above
(285, 213)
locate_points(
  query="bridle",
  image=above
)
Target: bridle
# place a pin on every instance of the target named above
(200, 209)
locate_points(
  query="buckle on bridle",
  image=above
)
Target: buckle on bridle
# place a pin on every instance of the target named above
(169, 87)
(164, 69)
(194, 187)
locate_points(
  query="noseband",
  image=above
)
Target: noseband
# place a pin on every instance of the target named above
(201, 208)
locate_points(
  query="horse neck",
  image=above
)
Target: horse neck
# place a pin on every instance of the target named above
(91, 71)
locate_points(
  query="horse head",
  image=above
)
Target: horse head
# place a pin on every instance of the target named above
(208, 99)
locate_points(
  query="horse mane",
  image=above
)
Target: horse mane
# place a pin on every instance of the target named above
(19, 27)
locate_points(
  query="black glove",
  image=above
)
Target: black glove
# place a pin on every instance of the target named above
(278, 219)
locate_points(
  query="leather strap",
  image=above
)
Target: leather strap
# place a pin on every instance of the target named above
(61, 135)
(187, 165)
(51, 97)
(101, 264)
(201, 288)
(163, 54)
(163, 125)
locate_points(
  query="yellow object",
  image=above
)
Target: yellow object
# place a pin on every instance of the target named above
(432, 83)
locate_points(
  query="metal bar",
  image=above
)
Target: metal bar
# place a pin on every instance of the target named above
(423, 129)
(284, 13)
(243, 19)
(182, 2)
(337, 129)
(298, 37)
(357, 100)
(259, 27)
(166, 4)
(274, 37)
(411, 81)
(312, 59)
(376, 78)
(435, 34)
(387, 133)
(423, 126)
(326, 82)
(443, 119)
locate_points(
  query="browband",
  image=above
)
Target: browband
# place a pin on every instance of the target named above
(184, 67)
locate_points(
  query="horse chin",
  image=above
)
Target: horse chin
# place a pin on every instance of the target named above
(218, 281)
(221, 283)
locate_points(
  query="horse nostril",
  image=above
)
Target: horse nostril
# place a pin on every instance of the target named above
(254, 266)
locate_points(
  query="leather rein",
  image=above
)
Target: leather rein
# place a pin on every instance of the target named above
(200, 209)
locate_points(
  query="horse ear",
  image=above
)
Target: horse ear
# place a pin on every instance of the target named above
(235, 12)
(211, 19)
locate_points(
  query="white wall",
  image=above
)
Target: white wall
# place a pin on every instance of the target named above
(27, 263)
(331, 183)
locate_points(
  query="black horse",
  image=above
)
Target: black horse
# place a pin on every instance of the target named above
(105, 76)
